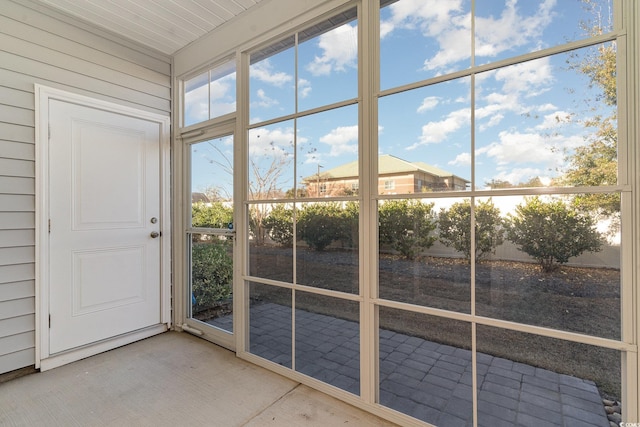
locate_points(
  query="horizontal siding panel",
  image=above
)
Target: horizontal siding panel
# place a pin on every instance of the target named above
(17, 342)
(11, 238)
(17, 81)
(63, 61)
(17, 272)
(16, 115)
(71, 29)
(11, 132)
(26, 82)
(17, 360)
(77, 49)
(17, 290)
(15, 308)
(17, 98)
(17, 325)
(13, 167)
(17, 150)
(46, 72)
(17, 185)
(17, 220)
(17, 203)
(19, 255)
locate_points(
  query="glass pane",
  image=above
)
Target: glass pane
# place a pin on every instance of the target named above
(437, 33)
(425, 139)
(212, 280)
(558, 267)
(223, 90)
(328, 70)
(270, 323)
(212, 183)
(211, 94)
(327, 161)
(327, 251)
(548, 122)
(271, 241)
(414, 266)
(271, 80)
(271, 150)
(506, 28)
(526, 379)
(196, 99)
(425, 367)
(328, 340)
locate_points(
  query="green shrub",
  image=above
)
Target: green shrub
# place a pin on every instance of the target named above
(211, 273)
(320, 224)
(455, 228)
(350, 225)
(213, 215)
(406, 226)
(552, 232)
(279, 225)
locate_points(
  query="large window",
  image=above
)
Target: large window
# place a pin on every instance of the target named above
(442, 225)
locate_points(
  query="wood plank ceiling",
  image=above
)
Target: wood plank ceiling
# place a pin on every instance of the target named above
(164, 25)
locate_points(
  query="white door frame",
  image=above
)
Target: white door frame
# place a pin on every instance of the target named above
(43, 94)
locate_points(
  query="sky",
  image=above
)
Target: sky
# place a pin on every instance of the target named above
(526, 117)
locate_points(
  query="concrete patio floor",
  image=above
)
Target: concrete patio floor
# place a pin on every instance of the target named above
(173, 379)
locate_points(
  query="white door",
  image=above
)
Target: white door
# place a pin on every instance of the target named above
(104, 211)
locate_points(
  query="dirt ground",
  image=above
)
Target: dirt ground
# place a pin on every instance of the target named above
(575, 299)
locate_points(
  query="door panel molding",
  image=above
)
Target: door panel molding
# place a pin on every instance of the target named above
(43, 97)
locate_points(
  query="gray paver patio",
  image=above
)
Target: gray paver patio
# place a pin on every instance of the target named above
(424, 379)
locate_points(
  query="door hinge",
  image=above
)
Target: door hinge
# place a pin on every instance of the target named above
(49, 226)
(49, 321)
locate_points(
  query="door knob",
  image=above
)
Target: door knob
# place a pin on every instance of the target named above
(154, 234)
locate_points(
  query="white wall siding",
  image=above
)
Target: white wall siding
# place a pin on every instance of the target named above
(41, 46)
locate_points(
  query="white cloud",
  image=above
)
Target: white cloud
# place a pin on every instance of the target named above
(343, 139)
(429, 103)
(516, 82)
(455, 47)
(197, 104)
(493, 121)
(271, 142)
(450, 25)
(530, 78)
(463, 159)
(435, 132)
(517, 175)
(339, 51)
(263, 100)
(304, 88)
(223, 95)
(429, 16)
(263, 71)
(515, 148)
(546, 107)
(554, 120)
(496, 35)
